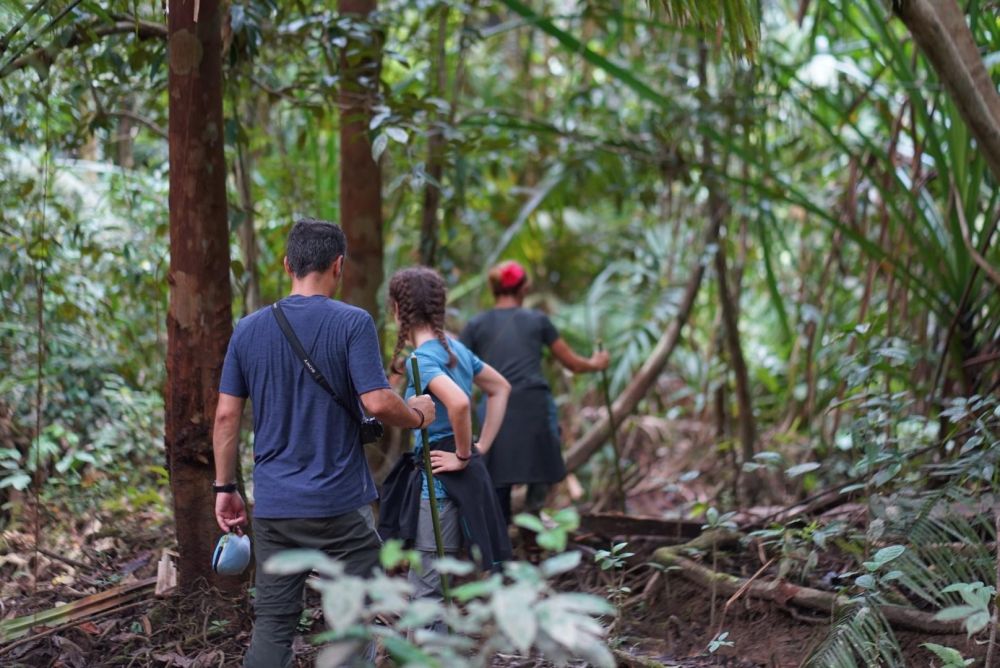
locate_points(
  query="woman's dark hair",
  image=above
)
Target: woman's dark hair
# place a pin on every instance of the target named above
(419, 293)
(313, 245)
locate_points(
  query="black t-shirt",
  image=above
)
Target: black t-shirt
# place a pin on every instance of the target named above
(511, 340)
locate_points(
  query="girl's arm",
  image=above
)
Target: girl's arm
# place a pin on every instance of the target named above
(497, 391)
(457, 403)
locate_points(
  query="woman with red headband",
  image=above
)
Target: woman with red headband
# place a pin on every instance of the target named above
(511, 339)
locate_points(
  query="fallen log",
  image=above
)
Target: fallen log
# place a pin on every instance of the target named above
(783, 592)
(585, 446)
(609, 525)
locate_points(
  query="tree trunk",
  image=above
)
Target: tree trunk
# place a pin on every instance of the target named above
(242, 168)
(731, 333)
(199, 319)
(435, 149)
(360, 175)
(940, 30)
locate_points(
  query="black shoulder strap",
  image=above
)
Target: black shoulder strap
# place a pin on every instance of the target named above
(316, 374)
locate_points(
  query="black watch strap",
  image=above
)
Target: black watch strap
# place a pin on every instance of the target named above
(228, 488)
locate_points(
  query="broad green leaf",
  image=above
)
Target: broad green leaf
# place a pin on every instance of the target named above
(561, 563)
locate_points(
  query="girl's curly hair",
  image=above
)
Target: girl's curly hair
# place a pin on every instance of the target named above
(420, 294)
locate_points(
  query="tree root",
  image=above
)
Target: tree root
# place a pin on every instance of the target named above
(783, 593)
(623, 658)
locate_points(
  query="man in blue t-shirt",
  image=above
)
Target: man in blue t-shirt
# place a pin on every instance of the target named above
(312, 486)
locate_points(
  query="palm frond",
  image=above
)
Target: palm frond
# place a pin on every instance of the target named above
(860, 637)
(735, 20)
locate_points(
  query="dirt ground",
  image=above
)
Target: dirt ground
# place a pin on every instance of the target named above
(665, 619)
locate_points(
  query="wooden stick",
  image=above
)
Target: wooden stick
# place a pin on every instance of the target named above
(606, 390)
(431, 493)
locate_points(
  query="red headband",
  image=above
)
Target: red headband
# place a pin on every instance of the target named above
(511, 275)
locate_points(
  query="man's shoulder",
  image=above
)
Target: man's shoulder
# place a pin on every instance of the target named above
(251, 321)
(354, 314)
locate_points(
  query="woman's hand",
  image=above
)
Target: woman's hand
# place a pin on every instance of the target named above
(446, 462)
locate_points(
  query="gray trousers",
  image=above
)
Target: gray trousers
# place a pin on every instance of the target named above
(350, 538)
(427, 583)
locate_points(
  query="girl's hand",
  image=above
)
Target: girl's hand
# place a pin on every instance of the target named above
(446, 462)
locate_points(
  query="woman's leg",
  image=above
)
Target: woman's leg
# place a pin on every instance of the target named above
(535, 499)
(503, 496)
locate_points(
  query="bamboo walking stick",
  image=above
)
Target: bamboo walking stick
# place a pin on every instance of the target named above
(606, 388)
(431, 493)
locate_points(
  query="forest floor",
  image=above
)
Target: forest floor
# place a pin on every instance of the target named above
(666, 620)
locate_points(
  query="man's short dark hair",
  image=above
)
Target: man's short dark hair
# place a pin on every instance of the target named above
(313, 245)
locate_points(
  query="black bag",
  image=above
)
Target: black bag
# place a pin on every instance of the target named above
(371, 428)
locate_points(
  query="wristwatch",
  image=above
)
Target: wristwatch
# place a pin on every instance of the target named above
(228, 488)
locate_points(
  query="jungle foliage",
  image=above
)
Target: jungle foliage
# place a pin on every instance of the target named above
(595, 142)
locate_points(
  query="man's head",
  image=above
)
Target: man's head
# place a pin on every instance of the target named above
(314, 245)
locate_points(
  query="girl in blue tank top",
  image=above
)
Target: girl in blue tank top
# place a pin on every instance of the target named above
(470, 515)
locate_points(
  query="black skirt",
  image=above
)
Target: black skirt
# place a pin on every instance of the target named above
(471, 489)
(527, 449)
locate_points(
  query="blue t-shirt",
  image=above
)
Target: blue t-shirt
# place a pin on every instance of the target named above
(432, 359)
(308, 456)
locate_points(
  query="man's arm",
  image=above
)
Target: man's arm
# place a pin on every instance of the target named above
(230, 511)
(388, 407)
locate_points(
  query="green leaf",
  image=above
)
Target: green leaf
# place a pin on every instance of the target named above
(530, 522)
(561, 563)
(955, 613)
(952, 657)
(343, 601)
(887, 554)
(378, 146)
(476, 589)
(513, 609)
(798, 470)
(299, 561)
(397, 134)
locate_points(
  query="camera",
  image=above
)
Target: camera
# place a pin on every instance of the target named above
(371, 430)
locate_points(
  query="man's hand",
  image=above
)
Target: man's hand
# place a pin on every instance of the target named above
(599, 360)
(446, 462)
(230, 511)
(424, 404)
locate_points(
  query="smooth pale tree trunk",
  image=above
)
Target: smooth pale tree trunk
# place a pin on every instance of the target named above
(199, 319)
(360, 175)
(940, 30)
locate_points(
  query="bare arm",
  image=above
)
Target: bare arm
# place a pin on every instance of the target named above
(388, 407)
(230, 510)
(576, 363)
(459, 408)
(497, 391)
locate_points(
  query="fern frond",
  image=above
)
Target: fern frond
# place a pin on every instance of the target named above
(861, 637)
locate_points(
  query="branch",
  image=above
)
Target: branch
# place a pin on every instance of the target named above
(148, 124)
(586, 445)
(85, 35)
(782, 592)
